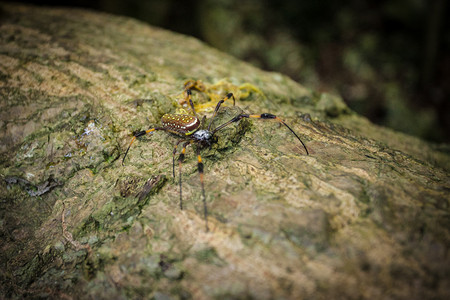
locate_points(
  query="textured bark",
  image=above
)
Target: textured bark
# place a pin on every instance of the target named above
(365, 215)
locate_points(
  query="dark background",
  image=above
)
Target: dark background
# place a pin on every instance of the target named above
(389, 60)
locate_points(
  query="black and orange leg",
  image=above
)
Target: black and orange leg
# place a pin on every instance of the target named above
(138, 134)
(189, 99)
(173, 156)
(261, 116)
(200, 173)
(180, 161)
(228, 96)
(194, 85)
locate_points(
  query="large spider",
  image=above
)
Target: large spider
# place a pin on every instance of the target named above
(191, 131)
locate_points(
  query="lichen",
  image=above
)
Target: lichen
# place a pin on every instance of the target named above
(368, 207)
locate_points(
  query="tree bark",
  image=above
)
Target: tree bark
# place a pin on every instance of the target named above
(365, 215)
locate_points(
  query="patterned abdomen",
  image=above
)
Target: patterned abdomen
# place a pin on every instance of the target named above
(182, 124)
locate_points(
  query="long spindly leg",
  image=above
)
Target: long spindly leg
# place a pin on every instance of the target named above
(261, 116)
(189, 98)
(200, 173)
(140, 133)
(173, 156)
(180, 161)
(228, 96)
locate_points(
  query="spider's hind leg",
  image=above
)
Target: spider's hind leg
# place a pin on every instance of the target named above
(136, 135)
(189, 99)
(173, 157)
(180, 161)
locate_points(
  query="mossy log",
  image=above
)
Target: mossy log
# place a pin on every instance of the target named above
(364, 216)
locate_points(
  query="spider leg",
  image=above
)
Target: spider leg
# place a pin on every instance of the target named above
(200, 173)
(228, 96)
(138, 134)
(264, 116)
(180, 161)
(203, 122)
(173, 156)
(189, 98)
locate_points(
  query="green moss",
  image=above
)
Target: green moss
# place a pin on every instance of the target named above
(209, 256)
(282, 223)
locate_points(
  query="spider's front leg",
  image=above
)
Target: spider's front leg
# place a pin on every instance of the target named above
(228, 96)
(265, 116)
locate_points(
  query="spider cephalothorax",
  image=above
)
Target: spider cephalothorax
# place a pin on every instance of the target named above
(203, 137)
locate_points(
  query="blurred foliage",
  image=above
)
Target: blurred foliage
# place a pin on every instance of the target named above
(389, 60)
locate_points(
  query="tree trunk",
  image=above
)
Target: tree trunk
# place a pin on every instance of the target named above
(365, 215)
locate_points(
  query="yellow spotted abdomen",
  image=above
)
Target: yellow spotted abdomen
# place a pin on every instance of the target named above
(182, 124)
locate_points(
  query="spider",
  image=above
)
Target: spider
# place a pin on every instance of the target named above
(191, 130)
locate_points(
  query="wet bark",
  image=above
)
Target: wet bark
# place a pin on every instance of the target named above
(365, 215)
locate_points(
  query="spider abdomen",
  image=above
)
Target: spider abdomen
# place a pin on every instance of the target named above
(182, 124)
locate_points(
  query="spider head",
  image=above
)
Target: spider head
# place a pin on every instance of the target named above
(203, 137)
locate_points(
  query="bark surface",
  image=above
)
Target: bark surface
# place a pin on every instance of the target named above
(364, 216)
